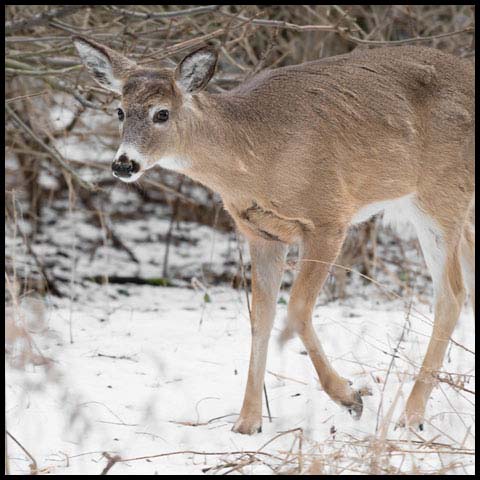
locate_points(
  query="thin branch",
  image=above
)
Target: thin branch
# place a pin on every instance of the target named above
(33, 466)
(286, 25)
(406, 40)
(392, 361)
(171, 191)
(54, 154)
(193, 42)
(197, 452)
(176, 13)
(387, 290)
(65, 87)
(15, 99)
(168, 238)
(455, 385)
(42, 18)
(51, 286)
(112, 460)
(343, 31)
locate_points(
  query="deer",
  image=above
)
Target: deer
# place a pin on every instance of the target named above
(300, 153)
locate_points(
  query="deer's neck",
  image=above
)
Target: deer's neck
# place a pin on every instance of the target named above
(222, 142)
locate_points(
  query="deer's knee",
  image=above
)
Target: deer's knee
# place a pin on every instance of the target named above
(299, 316)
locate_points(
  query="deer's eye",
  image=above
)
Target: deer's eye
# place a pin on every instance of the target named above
(160, 116)
(121, 114)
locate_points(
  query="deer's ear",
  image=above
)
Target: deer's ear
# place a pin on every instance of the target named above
(106, 66)
(196, 69)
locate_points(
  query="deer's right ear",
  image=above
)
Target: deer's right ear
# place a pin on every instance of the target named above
(195, 70)
(106, 66)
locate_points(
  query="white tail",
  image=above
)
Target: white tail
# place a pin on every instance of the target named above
(298, 154)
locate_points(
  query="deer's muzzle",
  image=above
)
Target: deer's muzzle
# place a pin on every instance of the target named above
(124, 167)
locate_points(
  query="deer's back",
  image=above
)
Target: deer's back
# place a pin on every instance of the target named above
(382, 112)
(366, 86)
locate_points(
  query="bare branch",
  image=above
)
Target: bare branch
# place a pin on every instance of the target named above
(33, 466)
(176, 13)
(55, 155)
(41, 18)
(407, 40)
(343, 31)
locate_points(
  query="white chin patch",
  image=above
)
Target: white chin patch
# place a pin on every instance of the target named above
(131, 179)
(173, 162)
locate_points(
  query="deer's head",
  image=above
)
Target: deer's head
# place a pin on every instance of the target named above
(155, 105)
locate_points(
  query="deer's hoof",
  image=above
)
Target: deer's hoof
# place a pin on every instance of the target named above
(247, 426)
(355, 408)
(412, 420)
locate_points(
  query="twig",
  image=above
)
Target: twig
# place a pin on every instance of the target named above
(193, 42)
(175, 13)
(405, 40)
(110, 232)
(283, 377)
(64, 87)
(21, 97)
(33, 466)
(387, 290)
(281, 434)
(286, 25)
(112, 460)
(198, 423)
(455, 385)
(55, 155)
(171, 191)
(52, 288)
(42, 18)
(344, 32)
(198, 452)
(392, 361)
(116, 357)
(267, 403)
(168, 237)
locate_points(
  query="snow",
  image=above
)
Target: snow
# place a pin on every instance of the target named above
(161, 370)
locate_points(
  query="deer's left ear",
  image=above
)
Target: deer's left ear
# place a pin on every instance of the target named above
(106, 66)
(196, 69)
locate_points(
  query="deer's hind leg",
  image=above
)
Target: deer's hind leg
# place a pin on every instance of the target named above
(319, 253)
(441, 246)
(468, 261)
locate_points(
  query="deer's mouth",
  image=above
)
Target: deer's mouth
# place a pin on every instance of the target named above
(128, 177)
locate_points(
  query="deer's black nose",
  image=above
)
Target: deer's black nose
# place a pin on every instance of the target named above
(124, 167)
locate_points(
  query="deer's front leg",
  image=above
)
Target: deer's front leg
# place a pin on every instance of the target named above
(268, 258)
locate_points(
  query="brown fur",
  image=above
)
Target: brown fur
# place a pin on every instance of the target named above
(296, 152)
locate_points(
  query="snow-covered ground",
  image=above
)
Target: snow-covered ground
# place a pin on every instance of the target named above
(160, 373)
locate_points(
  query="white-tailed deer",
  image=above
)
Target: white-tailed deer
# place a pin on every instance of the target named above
(300, 153)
